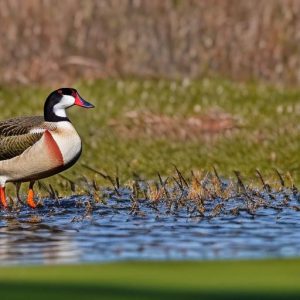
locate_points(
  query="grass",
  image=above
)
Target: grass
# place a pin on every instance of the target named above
(267, 138)
(270, 279)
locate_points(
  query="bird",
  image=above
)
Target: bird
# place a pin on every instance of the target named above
(36, 147)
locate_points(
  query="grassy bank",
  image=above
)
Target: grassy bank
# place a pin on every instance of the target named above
(172, 280)
(265, 133)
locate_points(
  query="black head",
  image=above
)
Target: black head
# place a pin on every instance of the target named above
(59, 100)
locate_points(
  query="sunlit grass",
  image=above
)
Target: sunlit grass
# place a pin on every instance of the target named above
(170, 280)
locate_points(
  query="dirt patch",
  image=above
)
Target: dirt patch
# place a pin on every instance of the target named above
(138, 124)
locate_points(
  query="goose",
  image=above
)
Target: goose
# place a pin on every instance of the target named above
(36, 147)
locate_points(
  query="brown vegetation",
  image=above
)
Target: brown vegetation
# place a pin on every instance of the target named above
(44, 41)
(139, 124)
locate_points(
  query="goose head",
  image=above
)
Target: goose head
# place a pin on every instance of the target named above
(59, 100)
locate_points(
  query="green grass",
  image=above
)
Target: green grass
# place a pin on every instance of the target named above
(270, 279)
(268, 137)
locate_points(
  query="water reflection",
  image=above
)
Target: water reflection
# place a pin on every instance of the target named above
(69, 232)
(24, 242)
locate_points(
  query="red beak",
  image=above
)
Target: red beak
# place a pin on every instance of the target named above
(81, 102)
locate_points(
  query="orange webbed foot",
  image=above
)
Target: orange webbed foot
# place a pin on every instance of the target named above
(3, 197)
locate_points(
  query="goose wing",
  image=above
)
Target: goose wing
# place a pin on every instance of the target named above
(18, 134)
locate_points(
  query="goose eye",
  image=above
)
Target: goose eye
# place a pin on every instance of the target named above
(59, 91)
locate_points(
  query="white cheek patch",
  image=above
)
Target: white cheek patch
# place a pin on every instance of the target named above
(60, 108)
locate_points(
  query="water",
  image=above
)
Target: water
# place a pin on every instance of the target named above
(70, 231)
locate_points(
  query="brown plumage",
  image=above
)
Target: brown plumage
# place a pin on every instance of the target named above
(15, 135)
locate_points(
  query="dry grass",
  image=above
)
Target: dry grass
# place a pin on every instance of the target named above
(201, 194)
(141, 124)
(44, 41)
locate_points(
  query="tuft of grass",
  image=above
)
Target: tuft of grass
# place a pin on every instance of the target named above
(204, 195)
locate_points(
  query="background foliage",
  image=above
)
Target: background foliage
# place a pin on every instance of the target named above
(54, 41)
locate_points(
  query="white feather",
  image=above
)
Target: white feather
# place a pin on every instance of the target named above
(37, 130)
(67, 140)
(3, 180)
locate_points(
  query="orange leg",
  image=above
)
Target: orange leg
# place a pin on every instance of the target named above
(3, 197)
(30, 196)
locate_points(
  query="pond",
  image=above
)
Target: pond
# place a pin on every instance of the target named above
(78, 229)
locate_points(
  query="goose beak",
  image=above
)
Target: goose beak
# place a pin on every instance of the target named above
(81, 102)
